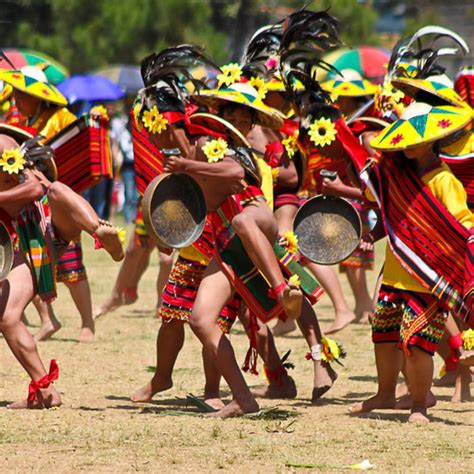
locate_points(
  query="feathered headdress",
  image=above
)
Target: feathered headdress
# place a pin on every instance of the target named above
(419, 55)
(307, 37)
(164, 75)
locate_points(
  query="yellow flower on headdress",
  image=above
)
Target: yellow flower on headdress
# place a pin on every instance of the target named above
(215, 150)
(260, 86)
(275, 173)
(468, 339)
(322, 132)
(333, 96)
(12, 161)
(291, 241)
(154, 121)
(99, 110)
(389, 91)
(331, 350)
(121, 235)
(294, 280)
(291, 144)
(230, 73)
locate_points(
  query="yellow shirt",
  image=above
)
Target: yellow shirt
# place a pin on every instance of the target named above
(55, 123)
(450, 192)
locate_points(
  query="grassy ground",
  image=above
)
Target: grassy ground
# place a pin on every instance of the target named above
(99, 429)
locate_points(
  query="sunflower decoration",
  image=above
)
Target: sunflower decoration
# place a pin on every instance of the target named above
(137, 110)
(260, 86)
(468, 339)
(215, 150)
(12, 161)
(322, 132)
(291, 241)
(275, 173)
(230, 73)
(294, 280)
(121, 235)
(154, 121)
(331, 351)
(100, 111)
(291, 144)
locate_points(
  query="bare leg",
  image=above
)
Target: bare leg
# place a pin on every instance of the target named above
(358, 281)
(324, 374)
(49, 322)
(169, 343)
(419, 368)
(72, 214)
(16, 292)
(131, 270)
(449, 379)
(388, 359)
(203, 322)
(329, 280)
(284, 387)
(213, 378)
(462, 392)
(257, 229)
(81, 294)
(166, 262)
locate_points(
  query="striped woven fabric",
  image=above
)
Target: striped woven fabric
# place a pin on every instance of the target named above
(426, 239)
(147, 159)
(31, 229)
(241, 271)
(82, 152)
(464, 85)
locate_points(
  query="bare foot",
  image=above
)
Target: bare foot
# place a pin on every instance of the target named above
(448, 380)
(362, 318)
(324, 378)
(111, 304)
(86, 335)
(47, 330)
(467, 358)
(418, 415)
(283, 327)
(342, 320)
(401, 390)
(406, 402)
(234, 409)
(377, 402)
(214, 402)
(291, 298)
(284, 388)
(148, 391)
(462, 392)
(45, 398)
(109, 238)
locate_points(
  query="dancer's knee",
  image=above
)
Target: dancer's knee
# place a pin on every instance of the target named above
(242, 225)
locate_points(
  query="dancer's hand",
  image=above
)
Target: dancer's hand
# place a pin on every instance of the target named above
(174, 164)
(366, 243)
(332, 187)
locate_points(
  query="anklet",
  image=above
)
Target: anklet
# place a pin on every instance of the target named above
(43, 382)
(315, 353)
(272, 292)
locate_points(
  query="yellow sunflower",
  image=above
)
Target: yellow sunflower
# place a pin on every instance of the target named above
(99, 110)
(292, 241)
(468, 339)
(275, 173)
(294, 280)
(322, 132)
(121, 235)
(291, 144)
(260, 87)
(154, 121)
(12, 161)
(215, 150)
(331, 350)
(230, 73)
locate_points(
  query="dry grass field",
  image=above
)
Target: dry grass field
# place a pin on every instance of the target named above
(98, 428)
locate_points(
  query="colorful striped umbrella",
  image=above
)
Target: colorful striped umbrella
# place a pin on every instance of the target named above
(55, 72)
(369, 61)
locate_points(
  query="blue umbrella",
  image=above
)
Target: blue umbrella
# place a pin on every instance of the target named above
(90, 88)
(127, 76)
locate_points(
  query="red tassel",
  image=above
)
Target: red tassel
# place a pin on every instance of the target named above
(97, 243)
(455, 342)
(43, 382)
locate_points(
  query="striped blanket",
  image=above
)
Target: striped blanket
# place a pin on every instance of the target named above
(426, 239)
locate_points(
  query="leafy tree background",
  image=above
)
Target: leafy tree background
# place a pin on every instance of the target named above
(88, 34)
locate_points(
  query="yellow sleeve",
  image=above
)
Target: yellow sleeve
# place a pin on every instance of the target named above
(57, 122)
(450, 191)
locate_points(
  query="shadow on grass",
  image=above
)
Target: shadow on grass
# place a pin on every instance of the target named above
(402, 417)
(363, 378)
(4, 403)
(83, 408)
